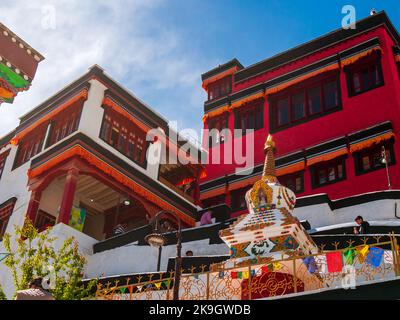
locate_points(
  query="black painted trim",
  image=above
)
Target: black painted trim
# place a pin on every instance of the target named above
(53, 103)
(326, 146)
(349, 201)
(232, 63)
(6, 139)
(370, 131)
(318, 44)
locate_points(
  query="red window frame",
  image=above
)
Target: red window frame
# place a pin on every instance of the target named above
(250, 116)
(292, 179)
(238, 201)
(3, 159)
(304, 89)
(219, 123)
(214, 201)
(370, 64)
(6, 210)
(30, 145)
(371, 154)
(326, 168)
(124, 135)
(220, 88)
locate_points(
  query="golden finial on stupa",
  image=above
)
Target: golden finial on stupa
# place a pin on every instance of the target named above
(269, 172)
(269, 143)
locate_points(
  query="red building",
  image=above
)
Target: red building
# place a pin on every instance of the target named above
(331, 104)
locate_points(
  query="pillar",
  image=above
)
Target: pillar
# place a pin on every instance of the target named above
(68, 195)
(33, 205)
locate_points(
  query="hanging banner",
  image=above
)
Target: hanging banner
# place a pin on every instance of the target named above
(77, 219)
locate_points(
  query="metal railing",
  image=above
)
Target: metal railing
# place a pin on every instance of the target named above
(271, 278)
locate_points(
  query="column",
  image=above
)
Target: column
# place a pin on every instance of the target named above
(68, 196)
(33, 205)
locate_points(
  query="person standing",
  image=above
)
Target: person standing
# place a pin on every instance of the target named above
(363, 226)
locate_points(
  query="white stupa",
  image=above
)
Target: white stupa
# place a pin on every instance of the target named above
(269, 231)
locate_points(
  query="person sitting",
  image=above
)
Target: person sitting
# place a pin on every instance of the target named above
(363, 226)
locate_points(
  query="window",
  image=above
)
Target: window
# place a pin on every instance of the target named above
(220, 88)
(30, 145)
(328, 172)
(293, 181)
(6, 210)
(64, 124)
(238, 201)
(3, 158)
(370, 159)
(125, 136)
(364, 76)
(250, 117)
(216, 127)
(304, 102)
(210, 202)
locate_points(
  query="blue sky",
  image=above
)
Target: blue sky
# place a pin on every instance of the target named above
(159, 48)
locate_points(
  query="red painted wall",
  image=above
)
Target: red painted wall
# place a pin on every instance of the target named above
(359, 112)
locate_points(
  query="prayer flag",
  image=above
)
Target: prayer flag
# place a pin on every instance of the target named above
(276, 266)
(234, 275)
(245, 274)
(221, 275)
(239, 275)
(334, 261)
(310, 264)
(348, 256)
(158, 285)
(362, 253)
(374, 257)
(122, 290)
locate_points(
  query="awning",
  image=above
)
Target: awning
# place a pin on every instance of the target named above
(368, 137)
(360, 55)
(326, 151)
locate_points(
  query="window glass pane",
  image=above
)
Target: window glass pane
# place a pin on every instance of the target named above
(251, 120)
(331, 174)
(114, 137)
(331, 95)
(356, 82)
(376, 159)
(283, 112)
(321, 176)
(299, 106)
(376, 79)
(299, 186)
(365, 79)
(366, 165)
(340, 171)
(259, 117)
(314, 100)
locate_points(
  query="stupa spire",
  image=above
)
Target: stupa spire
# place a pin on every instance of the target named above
(269, 172)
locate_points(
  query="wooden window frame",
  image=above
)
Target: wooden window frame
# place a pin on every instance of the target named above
(358, 156)
(220, 123)
(130, 131)
(293, 176)
(5, 218)
(3, 160)
(326, 165)
(368, 62)
(221, 88)
(236, 197)
(253, 110)
(304, 87)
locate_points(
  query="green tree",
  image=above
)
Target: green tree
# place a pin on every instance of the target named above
(34, 255)
(2, 294)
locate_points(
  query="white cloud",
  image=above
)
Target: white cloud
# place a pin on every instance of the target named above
(122, 36)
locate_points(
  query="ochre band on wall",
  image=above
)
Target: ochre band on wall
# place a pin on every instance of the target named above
(109, 170)
(369, 142)
(327, 156)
